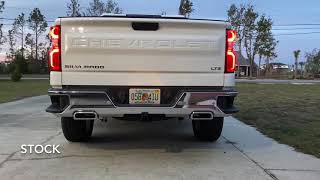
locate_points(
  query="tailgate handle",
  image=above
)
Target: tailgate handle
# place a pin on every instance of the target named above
(145, 26)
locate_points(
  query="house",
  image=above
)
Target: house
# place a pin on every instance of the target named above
(275, 70)
(277, 66)
(244, 65)
(280, 66)
(5, 60)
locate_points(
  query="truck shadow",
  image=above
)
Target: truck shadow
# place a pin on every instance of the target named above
(171, 136)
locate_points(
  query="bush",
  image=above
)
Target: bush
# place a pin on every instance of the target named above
(16, 75)
(18, 62)
(33, 67)
(3, 68)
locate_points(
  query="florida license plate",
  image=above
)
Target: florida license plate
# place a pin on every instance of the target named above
(144, 96)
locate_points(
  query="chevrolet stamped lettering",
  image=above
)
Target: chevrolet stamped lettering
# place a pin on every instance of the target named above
(136, 44)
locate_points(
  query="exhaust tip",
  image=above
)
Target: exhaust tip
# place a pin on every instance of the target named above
(202, 115)
(83, 115)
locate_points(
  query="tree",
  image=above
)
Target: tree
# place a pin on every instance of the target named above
(113, 7)
(96, 8)
(44, 56)
(249, 34)
(17, 64)
(16, 75)
(19, 29)
(30, 45)
(2, 37)
(3, 68)
(163, 13)
(265, 43)
(254, 33)
(186, 8)
(301, 68)
(296, 57)
(313, 62)
(270, 48)
(12, 43)
(73, 8)
(236, 18)
(38, 24)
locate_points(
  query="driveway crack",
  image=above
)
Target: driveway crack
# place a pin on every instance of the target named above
(267, 171)
(297, 170)
(51, 137)
(59, 157)
(9, 158)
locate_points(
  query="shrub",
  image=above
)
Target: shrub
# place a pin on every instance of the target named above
(16, 75)
(3, 68)
(33, 67)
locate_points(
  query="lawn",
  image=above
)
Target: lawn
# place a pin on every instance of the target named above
(289, 114)
(10, 91)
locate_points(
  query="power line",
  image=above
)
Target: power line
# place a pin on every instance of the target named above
(275, 25)
(11, 19)
(280, 29)
(11, 7)
(291, 29)
(25, 8)
(309, 24)
(44, 35)
(6, 24)
(275, 29)
(290, 34)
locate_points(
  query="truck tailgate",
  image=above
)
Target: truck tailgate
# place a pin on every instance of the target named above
(109, 51)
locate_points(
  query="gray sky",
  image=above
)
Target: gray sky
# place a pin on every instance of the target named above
(283, 12)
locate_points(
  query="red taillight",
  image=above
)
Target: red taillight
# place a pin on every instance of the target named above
(231, 58)
(55, 49)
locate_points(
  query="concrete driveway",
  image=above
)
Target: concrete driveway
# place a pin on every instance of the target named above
(136, 150)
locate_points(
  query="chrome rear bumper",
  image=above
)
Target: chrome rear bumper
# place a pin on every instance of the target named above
(220, 103)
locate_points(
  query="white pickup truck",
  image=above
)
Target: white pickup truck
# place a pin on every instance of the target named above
(141, 67)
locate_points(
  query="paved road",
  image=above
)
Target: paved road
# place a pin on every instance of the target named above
(276, 81)
(135, 150)
(27, 76)
(255, 81)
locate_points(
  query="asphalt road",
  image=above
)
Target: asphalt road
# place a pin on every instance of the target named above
(136, 150)
(26, 76)
(256, 81)
(278, 81)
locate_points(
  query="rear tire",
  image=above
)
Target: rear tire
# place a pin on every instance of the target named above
(208, 130)
(76, 131)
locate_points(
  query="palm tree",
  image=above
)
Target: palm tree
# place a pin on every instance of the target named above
(301, 68)
(296, 56)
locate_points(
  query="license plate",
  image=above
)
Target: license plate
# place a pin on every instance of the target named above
(144, 96)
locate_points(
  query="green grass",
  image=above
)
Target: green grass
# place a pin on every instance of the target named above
(288, 113)
(10, 91)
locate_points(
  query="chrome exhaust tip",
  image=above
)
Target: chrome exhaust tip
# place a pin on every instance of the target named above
(85, 115)
(207, 115)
